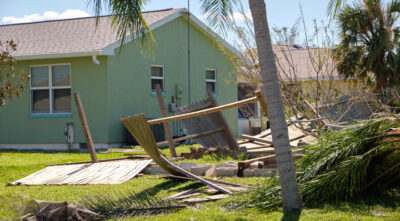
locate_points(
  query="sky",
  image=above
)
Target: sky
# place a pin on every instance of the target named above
(280, 13)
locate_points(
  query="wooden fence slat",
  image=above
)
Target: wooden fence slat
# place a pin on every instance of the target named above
(192, 136)
(166, 124)
(228, 132)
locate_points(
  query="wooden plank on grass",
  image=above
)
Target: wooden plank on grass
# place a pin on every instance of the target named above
(106, 172)
(206, 198)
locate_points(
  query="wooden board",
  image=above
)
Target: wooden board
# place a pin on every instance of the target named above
(264, 139)
(112, 172)
(206, 198)
(221, 119)
(204, 123)
(166, 124)
(85, 126)
(139, 127)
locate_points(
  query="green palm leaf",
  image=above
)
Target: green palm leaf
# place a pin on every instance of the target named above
(119, 204)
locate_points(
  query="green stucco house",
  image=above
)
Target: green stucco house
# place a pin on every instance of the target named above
(73, 55)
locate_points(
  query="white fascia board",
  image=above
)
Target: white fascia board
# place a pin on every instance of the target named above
(59, 55)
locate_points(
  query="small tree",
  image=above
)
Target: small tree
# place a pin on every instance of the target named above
(369, 40)
(12, 82)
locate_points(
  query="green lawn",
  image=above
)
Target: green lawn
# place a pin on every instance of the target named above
(17, 165)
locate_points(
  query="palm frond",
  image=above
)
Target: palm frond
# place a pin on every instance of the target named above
(334, 7)
(119, 204)
(363, 159)
(127, 20)
(219, 12)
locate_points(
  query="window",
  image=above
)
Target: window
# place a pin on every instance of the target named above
(157, 77)
(211, 81)
(51, 89)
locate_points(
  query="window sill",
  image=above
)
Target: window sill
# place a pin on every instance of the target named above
(154, 94)
(50, 115)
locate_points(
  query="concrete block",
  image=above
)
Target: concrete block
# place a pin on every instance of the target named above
(186, 165)
(226, 171)
(227, 164)
(264, 172)
(248, 172)
(200, 170)
(154, 170)
(211, 172)
(257, 164)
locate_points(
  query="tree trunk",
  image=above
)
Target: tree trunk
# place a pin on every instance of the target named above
(291, 199)
(380, 83)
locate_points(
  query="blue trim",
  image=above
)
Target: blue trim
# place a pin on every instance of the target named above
(49, 115)
(215, 95)
(154, 94)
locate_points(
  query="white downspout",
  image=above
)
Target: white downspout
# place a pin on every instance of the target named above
(95, 60)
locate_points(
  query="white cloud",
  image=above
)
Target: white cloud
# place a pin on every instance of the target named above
(239, 16)
(47, 15)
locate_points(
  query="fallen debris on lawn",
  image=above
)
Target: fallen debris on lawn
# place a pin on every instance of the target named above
(120, 204)
(360, 160)
(36, 210)
(109, 172)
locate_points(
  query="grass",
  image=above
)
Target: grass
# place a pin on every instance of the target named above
(15, 165)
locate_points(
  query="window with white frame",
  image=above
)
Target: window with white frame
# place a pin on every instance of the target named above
(211, 81)
(51, 89)
(157, 77)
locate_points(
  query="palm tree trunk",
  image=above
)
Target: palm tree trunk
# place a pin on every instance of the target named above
(291, 199)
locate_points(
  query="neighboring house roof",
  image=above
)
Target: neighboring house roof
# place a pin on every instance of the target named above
(80, 36)
(297, 65)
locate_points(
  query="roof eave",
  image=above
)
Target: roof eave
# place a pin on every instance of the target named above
(57, 55)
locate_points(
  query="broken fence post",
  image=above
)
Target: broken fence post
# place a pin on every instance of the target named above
(165, 124)
(85, 127)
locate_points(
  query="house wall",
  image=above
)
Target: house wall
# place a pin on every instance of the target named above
(18, 127)
(121, 85)
(341, 86)
(129, 78)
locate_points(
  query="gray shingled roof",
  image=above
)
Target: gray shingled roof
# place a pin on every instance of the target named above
(68, 36)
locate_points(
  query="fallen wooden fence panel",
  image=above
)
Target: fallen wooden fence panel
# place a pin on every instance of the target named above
(110, 172)
(140, 130)
(204, 123)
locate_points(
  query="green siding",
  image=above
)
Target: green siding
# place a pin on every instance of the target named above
(133, 94)
(120, 86)
(87, 78)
